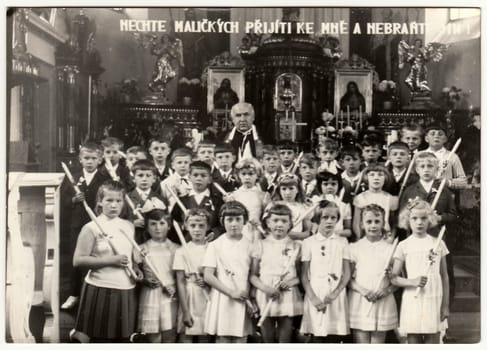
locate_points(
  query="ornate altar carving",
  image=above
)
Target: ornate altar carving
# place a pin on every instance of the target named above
(279, 54)
(136, 124)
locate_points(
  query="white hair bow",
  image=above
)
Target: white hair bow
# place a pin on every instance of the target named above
(151, 204)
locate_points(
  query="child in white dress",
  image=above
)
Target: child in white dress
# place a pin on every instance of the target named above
(377, 178)
(226, 269)
(421, 314)
(250, 195)
(193, 292)
(289, 192)
(372, 311)
(325, 274)
(157, 304)
(273, 272)
(330, 186)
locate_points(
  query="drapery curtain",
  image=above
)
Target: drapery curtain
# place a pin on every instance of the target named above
(316, 15)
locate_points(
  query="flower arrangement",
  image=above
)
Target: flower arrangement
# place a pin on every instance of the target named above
(452, 96)
(388, 88)
(129, 87)
(331, 46)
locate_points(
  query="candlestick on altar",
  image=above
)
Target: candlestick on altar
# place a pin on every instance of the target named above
(341, 116)
(336, 121)
(348, 115)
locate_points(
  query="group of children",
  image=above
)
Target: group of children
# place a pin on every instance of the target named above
(303, 241)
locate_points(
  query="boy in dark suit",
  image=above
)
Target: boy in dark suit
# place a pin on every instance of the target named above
(159, 150)
(271, 163)
(88, 179)
(202, 195)
(223, 173)
(350, 159)
(398, 159)
(111, 153)
(307, 171)
(145, 174)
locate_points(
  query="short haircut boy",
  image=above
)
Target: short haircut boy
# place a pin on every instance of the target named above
(352, 151)
(286, 145)
(160, 139)
(181, 152)
(423, 156)
(328, 144)
(398, 145)
(224, 148)
(144, 165)
(199, 164)
(325, 176)
(136, 149)
(309, 159)
(269, 150)
(412, 128)
(198, 212)
(111, 141)
(91, 146)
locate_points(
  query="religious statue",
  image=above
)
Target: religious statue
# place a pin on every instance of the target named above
(224, 96)
(418, 55)
(167, 51)
(353, 99)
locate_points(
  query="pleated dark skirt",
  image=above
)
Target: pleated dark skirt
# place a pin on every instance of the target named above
(106, 313)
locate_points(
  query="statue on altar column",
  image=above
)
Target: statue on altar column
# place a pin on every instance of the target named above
(418, 55)
(169, 53)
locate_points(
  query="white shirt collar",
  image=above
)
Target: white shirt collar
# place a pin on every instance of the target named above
(350, 179)
(89, 176)
(143, 194)
(224, 173)
(198, 197)
(427, 185)
(320, 237)
(397, 175)
(442, 150)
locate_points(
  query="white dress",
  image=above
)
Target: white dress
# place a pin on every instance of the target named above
(297, 210)
(422, 314)
(253, 200)
(226, 316)
(274, 256)
(157, 310)
(369, 259)
(326, 255)
(197, 297)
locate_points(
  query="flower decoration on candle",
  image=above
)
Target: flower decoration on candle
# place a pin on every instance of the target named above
(327, 117)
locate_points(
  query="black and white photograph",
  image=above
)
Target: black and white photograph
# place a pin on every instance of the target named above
(243, 174)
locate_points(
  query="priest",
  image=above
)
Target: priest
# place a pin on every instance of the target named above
(243, 137)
